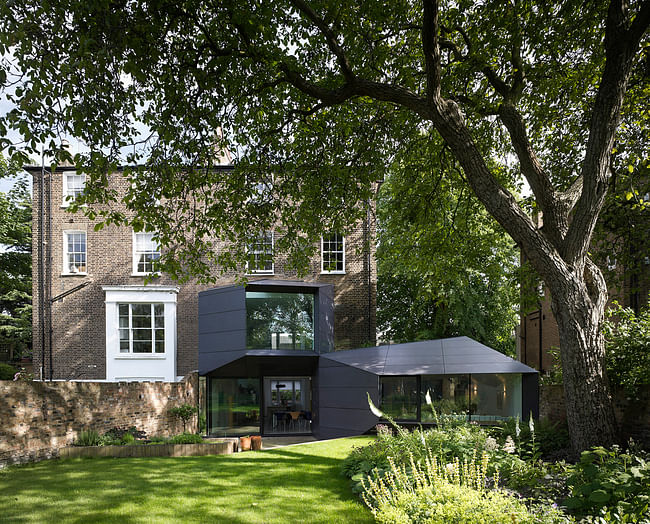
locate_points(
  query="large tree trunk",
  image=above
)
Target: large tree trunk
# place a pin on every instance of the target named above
(579, 311)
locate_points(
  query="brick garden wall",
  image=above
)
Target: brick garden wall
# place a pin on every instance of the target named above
(632, 414)
(38, 418)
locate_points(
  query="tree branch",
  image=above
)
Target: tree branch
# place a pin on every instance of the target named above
(621, 45)
(431, 49)
(330, 38)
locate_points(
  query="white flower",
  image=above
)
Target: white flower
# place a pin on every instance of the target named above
(509, 445)
(531, 424)
(517, 429)
(491, 444)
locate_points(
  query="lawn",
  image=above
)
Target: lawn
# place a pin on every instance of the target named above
(292, 484)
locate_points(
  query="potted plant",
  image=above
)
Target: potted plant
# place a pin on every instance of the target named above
(256, 442)
(245, 443)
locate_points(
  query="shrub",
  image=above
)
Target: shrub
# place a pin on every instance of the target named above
(551, 438)
(184, 413)
(88, 438)
(437, 493)
(7, 371)
(158, 440)
(128, 438)
(186, 438)
(627, 338)
(612, 485)
(116, 434)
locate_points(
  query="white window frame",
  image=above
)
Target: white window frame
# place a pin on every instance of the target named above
(136, 254)
(140, 366)
(67, 197)
(323, 270)
(66, 266)
(253, 271)
(152, 328)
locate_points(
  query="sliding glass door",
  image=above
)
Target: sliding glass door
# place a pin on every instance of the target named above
(287, 405)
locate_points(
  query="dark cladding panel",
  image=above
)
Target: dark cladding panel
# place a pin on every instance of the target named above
(325, 319)
(222, 324)
(530, 395)
(343, 400)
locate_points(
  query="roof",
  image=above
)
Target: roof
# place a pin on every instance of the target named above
(449, 356)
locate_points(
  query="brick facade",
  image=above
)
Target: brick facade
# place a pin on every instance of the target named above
(38, 418)
(632, 414)
(78, 321)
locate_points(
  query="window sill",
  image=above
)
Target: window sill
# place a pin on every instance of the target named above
(256, 273)
(141, 275)
(80, 274)
(332, 272)
(140, 356)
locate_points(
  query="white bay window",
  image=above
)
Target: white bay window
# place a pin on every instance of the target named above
(140, 333)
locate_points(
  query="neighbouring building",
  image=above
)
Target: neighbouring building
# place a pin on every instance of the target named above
(106, 324)
(538, 335)
(267, 352)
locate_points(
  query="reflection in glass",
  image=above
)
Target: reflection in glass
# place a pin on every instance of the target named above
(233, 406)
(287, 406)
(279, 320)
(449, 395)
(496, 396)
(399, 397)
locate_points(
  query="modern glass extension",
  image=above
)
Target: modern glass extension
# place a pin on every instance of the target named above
(269, 405)
(478, 397)
(279, 320)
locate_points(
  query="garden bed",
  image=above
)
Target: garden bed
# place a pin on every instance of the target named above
(224, 447)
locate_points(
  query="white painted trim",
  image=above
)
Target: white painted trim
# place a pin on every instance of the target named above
(64, 252)
(64, 185)
(322, 259)
(134, 262)
(138, 366)
(265, 271)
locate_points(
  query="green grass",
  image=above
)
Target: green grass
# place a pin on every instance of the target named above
(285, 485)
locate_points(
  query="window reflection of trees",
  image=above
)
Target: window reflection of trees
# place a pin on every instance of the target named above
(280, 321)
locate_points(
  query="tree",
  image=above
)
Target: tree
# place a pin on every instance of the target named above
(444, 267)
(322, 95)
(15, 265)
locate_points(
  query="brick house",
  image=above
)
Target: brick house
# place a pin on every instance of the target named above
(100, 279)
(538, 331)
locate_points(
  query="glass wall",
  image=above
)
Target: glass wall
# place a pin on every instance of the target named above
(496, 397)
(233, 406)
(279, 320)
(399, 397)
(479, 397)
(287, 405)
(449, 395)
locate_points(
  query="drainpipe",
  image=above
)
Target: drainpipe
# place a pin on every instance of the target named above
(49, 270)
(41, 262)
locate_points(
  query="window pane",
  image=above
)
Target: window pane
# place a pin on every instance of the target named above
(449, 396)
(233, 406)
(399, 397)
(496, 396)
(142, 347)
(141, 309)
(280, 320)
(160, 346)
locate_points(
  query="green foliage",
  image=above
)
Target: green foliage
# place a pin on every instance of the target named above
(445, 268)
(611, 484)
(437, 493)
(128, 438)
(184, 413)
(550, 437)
(186, 438)
(628, 347)
(7, 371)
(15, 263)
(88, 438)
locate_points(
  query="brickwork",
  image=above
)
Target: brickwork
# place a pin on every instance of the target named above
(632, 414)
(78, 321)
(38, 418)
